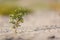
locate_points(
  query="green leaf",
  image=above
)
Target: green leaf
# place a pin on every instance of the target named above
(21, 20)
(12, 22)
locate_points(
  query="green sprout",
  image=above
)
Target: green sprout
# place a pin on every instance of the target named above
(16, 16)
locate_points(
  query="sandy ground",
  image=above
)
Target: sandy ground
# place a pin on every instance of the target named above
(34, 27)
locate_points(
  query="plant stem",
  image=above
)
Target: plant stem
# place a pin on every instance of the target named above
(16, 25)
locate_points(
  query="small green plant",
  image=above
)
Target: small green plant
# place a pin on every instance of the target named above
(16, 16)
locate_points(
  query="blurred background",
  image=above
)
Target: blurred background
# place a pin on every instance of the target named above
(33, 4)
(45, 12)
